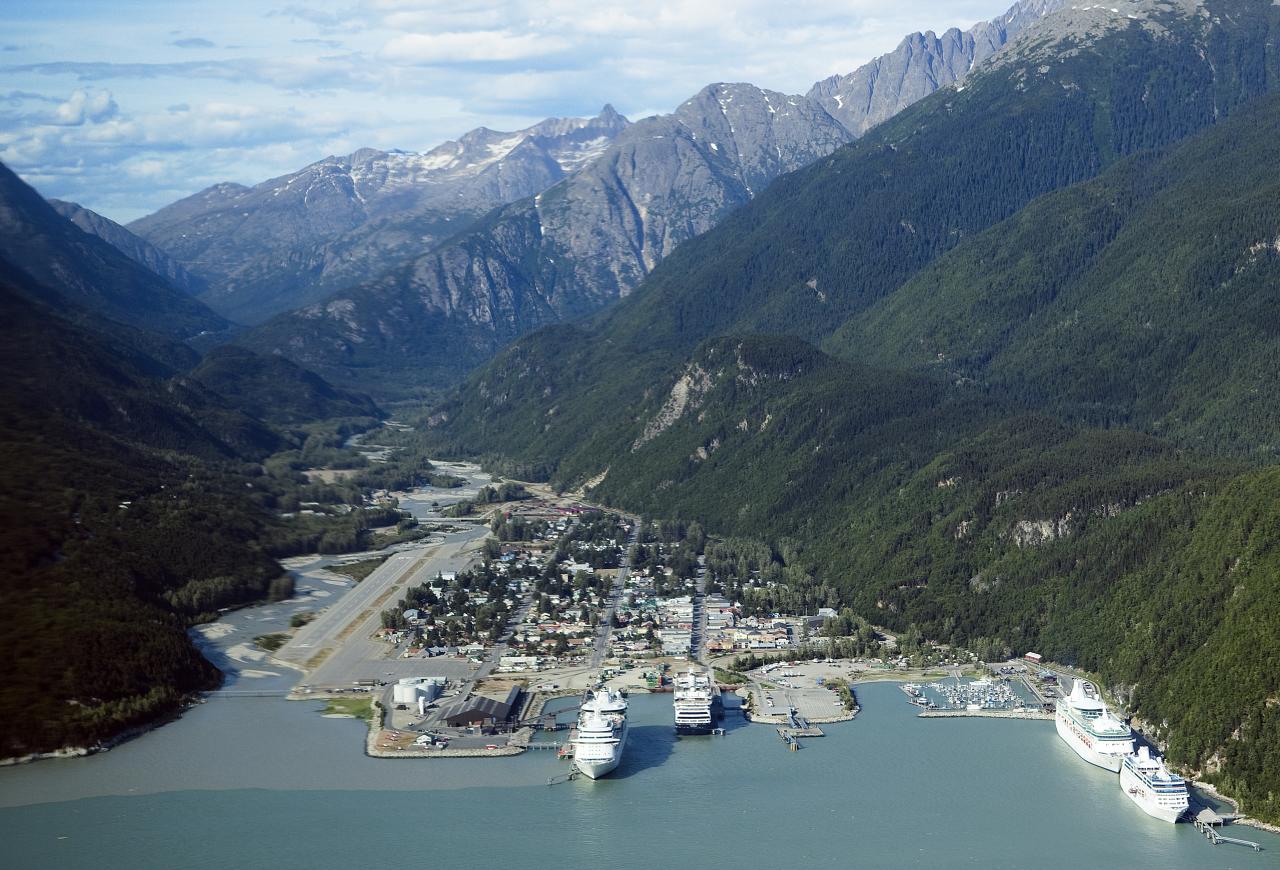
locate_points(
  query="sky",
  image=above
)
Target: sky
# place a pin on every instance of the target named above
(127, 105)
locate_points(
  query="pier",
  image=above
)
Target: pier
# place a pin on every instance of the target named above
(563, 777)
(799, 727)
(1210, 823)
(985, 714)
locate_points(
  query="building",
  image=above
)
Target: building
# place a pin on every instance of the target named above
(519, 663)
(410, 689)
(1032, 657)
(482, 712)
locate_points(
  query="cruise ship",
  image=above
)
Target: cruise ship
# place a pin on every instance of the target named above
(1092, 730)
(695, 699)
(1160, 793)
(602, 732)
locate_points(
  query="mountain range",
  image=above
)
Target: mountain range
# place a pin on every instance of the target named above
(977, 340)
(291, 240)
(997, 370)
(586, 209)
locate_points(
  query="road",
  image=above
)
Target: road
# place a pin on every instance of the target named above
(337, 647)
(495, 653)
(605, 630)
(698, 641)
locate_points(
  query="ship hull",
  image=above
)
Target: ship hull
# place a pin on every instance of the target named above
(1147, 800)
(595, 768)
(693, 729)
(1107, 761)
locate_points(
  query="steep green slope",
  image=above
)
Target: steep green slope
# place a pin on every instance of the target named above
(984, 511)
(274, 389)
(132, 505)
(1144, 297)
(823, 244)
(89, 272)
(98, 517)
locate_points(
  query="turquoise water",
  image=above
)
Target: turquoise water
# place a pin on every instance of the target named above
(242, 782)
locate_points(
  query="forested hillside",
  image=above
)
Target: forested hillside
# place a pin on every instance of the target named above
(135, 498)
(1145, 297)
(978, 466)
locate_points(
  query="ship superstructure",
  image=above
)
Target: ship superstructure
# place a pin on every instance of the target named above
(1146, 780)
(1092, 730)
(602, 732)
(695, 700)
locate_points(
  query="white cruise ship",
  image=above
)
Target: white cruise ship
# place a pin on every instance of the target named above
(602, 732)
(694, 701)
(1092, 730)
(1160, 793)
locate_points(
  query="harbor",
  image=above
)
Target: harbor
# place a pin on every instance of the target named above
(247, 765)
(248, 737)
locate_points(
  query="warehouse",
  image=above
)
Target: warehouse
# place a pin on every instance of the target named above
(481, 711)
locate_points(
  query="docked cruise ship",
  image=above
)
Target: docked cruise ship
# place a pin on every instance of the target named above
(602, 732)
(1092, 730)
(695, 700)
(1160, 793)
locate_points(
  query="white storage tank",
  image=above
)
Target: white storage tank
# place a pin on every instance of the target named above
(410, 689)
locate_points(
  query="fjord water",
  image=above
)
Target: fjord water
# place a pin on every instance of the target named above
(255, 782)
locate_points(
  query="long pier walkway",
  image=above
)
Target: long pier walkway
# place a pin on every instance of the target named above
(1210, 823)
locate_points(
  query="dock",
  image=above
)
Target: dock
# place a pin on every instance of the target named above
(986, 714)
(1210, 824)
(811, 731)
(798, 727)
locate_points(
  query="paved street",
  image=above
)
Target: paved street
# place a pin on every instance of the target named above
(601, 648)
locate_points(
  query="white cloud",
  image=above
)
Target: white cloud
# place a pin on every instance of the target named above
(474, 46)
(272, 91)
(86, 106)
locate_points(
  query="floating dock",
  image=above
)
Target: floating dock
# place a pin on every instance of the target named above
(985, 714)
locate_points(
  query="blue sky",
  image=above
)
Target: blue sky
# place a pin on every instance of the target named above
(127, 105)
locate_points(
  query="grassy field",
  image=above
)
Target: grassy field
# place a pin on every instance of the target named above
(360, 708)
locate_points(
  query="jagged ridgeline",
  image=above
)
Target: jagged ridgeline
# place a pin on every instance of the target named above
(565, 249)
(1045, 417)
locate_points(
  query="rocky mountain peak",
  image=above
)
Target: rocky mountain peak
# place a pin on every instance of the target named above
(921, 64)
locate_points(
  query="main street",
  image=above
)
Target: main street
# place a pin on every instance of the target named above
(605, 628)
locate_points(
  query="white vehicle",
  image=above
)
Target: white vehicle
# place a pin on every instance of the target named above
(1087, 726)
(602, 732)
(1149, 783)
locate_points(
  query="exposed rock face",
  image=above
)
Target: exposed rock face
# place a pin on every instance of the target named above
(686, 394)
(574, 247)
(1033, 533)
(922, 64)
(579, 245)
(295, 239)
(132, 246)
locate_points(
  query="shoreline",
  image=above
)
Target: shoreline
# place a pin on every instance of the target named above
(1240, 819)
